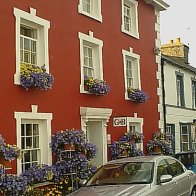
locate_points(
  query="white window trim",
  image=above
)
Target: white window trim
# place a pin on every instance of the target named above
(30, 17)
(130, 54)
(131, 33)
(91, 39)
(34, 115)
(98, 15)
(139, 122)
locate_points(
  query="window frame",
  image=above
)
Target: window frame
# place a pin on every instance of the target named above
(193, 94)
(44, 120)
(97, 46)
(180, 98)
(29, 149)
(32, 21)
(135, 59)
(138, 124)
(133, 5)
(95, 9)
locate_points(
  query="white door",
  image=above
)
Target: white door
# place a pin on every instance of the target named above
(95, 135)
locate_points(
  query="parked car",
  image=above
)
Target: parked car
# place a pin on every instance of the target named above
(188, 158)
(141, 176)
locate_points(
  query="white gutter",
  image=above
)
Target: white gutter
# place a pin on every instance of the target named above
(158, 4)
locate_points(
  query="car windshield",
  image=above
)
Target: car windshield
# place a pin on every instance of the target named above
(123, 173)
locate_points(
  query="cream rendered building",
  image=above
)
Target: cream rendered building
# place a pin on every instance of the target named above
(179, 95)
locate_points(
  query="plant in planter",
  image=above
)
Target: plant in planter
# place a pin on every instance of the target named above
(137, 95)
(124, 147)
(35, 76)
(96, 86)
(68, 136)
(160, 144)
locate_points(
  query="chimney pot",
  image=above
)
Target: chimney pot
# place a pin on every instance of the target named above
(178, 40)
(171, 41)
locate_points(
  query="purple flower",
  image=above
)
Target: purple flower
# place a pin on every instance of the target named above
(95, 86)
(34, 76)
(137, 95)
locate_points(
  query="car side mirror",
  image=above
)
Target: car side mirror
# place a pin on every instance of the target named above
(165, 178)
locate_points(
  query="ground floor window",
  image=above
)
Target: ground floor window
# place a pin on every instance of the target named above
(33, 131)
(193, 136)
(170, 130)
(30, 144)
(188, 137)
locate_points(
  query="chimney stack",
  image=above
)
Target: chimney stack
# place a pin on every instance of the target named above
(176, 49)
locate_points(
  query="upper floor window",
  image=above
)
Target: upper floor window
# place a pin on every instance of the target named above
(180, 90)
(90, 8)
(90, 58)
(130, 18)
(88, 61)
(194, 94)
(31, 41)
(86, 5)
(28, 45)
(131, 70)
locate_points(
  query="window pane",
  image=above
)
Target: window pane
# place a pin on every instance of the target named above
(33, 59)
(85, 71)
(34, 155)
(26, 44)
(27, 156)
(28, 130)
(184, 138)
(86, 61)
(26, 57)
(23, 143)
(35, 129)
(33, 46)
(36, 142)
(28, 142)
(176, 167)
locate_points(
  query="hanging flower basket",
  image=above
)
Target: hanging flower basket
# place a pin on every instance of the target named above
(137, 95)
(96, 86)
(35, 76)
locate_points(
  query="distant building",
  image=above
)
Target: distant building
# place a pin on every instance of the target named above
(179, 95)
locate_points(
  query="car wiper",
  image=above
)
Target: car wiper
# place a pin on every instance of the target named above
(101, 184)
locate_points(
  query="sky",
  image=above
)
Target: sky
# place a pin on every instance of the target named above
(179, 21)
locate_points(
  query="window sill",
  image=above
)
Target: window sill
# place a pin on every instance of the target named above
(136, 35)
(98, 18)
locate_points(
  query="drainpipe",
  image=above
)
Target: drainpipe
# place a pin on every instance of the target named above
(163, 92)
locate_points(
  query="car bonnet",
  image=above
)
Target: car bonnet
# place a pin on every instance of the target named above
(112, 190)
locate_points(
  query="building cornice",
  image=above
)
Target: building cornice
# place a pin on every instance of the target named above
(158, 4)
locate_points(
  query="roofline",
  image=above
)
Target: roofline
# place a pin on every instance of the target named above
(158, 4)
(188, 67)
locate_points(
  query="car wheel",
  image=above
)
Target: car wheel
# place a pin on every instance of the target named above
(193, 193)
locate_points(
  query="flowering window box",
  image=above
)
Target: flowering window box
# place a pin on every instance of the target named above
(95, 86)
(137, 95)
(35, 76)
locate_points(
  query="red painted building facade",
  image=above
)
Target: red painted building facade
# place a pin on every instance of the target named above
(108, 40)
